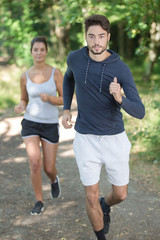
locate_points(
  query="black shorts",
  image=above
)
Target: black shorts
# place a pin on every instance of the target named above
(46, 131)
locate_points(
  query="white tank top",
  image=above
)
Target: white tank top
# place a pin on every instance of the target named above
(37, 110)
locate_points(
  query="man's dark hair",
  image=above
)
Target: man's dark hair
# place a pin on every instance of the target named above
(39, 39)
(97, 20)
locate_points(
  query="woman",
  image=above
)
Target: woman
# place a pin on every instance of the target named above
(39, 99)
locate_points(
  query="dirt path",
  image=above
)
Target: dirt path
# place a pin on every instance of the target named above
(138, 218)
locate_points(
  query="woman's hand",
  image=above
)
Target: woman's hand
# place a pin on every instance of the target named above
(44, 97)
(19, 108)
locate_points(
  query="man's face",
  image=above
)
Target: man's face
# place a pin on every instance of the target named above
(97, 39)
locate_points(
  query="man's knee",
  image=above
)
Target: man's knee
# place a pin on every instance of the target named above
(121, 196)
(120, 193)
(92, 198)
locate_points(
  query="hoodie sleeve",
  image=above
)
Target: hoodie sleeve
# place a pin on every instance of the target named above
(132, 103)
(68, 89)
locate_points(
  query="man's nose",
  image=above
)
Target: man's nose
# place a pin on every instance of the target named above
(96, 40)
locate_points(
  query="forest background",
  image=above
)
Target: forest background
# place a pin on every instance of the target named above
(135, 35)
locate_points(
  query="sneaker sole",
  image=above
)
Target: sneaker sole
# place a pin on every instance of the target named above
(34, 214)
(55, 197)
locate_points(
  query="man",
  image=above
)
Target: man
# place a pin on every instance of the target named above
(98, 75)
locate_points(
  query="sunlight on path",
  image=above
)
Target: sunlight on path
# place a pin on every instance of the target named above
(10, 127)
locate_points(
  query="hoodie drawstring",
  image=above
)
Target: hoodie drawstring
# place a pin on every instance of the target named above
(87, 71)
(100, 88)
(101, 79)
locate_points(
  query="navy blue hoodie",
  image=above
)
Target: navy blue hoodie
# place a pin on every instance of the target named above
(98, 111)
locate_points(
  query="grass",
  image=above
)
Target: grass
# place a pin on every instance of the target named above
(144, 134)
(9, 86)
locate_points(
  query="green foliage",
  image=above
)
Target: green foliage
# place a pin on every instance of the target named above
(7, 102)
(22, 20)
(139, 22)
(9, 86)
(75, 33)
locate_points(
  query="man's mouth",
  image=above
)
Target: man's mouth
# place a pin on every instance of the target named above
(96, 47)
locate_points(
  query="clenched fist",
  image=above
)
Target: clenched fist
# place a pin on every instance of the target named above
(115, 90)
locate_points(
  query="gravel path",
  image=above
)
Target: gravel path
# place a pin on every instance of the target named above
(137, 218)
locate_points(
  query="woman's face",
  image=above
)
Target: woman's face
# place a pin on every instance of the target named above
(39, 52)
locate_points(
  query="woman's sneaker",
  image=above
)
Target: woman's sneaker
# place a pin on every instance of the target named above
(38, 208)
(56, 188)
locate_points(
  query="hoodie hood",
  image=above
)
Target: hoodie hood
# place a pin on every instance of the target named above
(112, 58)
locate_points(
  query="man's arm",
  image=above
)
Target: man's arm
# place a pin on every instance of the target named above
(68, 91)
(131, 103)
(135, 109)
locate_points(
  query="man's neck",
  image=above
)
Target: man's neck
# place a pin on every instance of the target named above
(99, 57)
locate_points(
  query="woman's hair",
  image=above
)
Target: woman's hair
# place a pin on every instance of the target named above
(39, 39)
(97, 20)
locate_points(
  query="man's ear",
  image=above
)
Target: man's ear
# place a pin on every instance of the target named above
(109, 35)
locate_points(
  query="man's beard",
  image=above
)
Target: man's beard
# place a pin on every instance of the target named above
(96, 53)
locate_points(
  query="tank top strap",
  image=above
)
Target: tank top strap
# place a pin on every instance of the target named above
(27, 75)
(52, 76)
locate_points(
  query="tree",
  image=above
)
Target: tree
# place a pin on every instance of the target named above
(20, 22)
(140, 18)
(145, 23)
(16, 27)
(61, 21)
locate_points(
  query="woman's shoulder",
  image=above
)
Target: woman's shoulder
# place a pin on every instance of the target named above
(49, 67)
(57, 74)
(23, 76)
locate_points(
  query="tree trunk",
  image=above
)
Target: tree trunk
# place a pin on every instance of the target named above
(121, 39)
(153, 51)
(61, 33)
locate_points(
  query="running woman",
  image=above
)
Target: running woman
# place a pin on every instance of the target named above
(41, 94)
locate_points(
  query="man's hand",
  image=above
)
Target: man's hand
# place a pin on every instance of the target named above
(115, 90)
(66, 119)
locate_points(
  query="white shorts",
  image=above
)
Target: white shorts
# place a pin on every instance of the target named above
(92, 151)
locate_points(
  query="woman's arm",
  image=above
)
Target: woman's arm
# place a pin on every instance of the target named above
(56, 100)
(24, 95)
